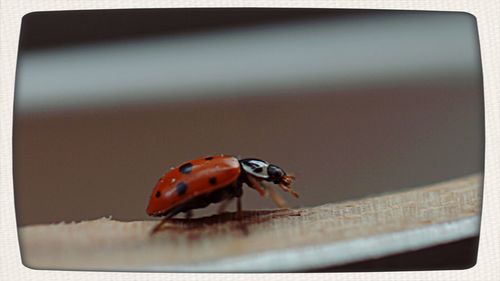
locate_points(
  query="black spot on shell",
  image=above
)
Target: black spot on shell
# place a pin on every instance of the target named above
(258, 170)
(213, 180)
(209, 158)
(157, 194)
(181, 188)
(186, 168)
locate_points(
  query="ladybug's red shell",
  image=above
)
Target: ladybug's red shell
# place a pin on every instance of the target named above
(196, 177)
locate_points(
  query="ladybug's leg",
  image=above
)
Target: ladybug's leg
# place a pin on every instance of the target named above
(285, 184)
(278, 200)
(235, 191)
(166, 219)
(261, 188)
(189, 214)
(288, 189)
(239, 216)
(256, 185)
(158, 226)
(238, 206)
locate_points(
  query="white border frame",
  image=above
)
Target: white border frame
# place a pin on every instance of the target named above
(486, 13)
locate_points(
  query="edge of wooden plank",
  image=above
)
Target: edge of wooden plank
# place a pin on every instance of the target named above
(352, 248)
(327, 254)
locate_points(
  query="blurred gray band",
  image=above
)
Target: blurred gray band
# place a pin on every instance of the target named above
(333, 54)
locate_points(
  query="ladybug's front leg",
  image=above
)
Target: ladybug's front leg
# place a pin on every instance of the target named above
(278, 200)
(256, 185)
(259, 186)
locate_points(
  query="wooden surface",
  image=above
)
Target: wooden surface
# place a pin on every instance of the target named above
(269, 240)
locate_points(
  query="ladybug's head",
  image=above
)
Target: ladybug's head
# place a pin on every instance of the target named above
(279, 177)
(264, 171)
(276, 174)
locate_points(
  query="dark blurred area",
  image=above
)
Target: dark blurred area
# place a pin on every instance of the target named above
(457, 255)
(63, 29)
(107, 101)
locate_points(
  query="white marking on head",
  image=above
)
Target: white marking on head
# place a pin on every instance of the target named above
(255, 167)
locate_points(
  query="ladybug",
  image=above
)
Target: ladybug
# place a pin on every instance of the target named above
(203, 181)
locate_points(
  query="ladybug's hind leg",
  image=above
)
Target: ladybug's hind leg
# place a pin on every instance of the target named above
(158, 226)
(166, 219)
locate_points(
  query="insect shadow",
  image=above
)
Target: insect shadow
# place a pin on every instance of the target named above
(235, 221)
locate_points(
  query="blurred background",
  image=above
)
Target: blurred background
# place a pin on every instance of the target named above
(353, 102)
